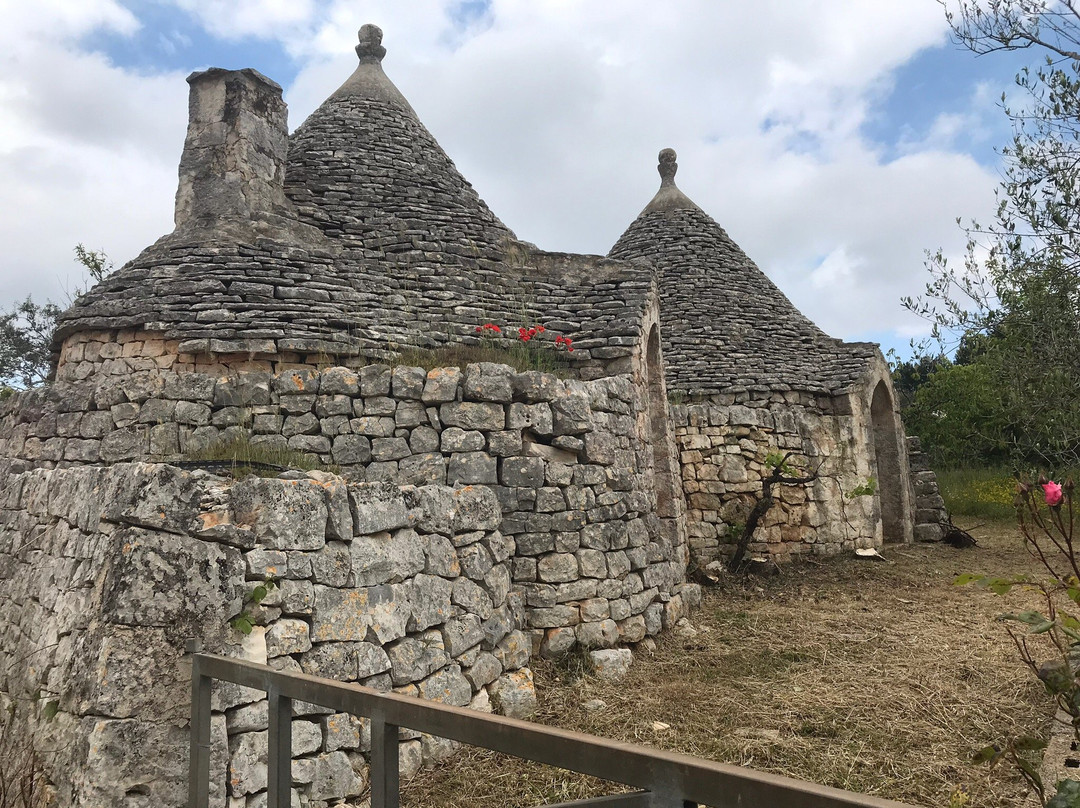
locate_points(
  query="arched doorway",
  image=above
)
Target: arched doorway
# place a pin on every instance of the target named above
(887, 461)
(663, 443)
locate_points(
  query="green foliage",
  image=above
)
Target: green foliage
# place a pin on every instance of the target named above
(1068, 795)
(961, 417)
(778, 460)
(863, 489)
(245, 621)
(1013, 309)
(909, 375)
(1046, 519)
(26, 329)
(25, 343)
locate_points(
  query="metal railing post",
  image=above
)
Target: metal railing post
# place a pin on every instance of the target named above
(385, 787)
(279, 751)
(199, 743)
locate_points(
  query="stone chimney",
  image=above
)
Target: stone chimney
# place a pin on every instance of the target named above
(233, 166)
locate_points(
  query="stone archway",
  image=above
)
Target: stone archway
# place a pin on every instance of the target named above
(887, 461)
(660, 436)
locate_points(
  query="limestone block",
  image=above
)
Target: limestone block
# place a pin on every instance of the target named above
(470, 415)
(287, 636)
(513, 651)
(485, 670)
(430, 602)
(131, 756)
(423, 469)
(557, 567)
(526, 472)
(485, 381)
(375, 380)
(125, 444)
(535, 385)
(373, 426)
(504, 443)
(349, 450)
(384, 449)
(461, 634)
(554, 617)
(535, 417)
(456, 439)
(171, 581)
(448, 686)
(501, 623)
(335, 778)
(440, 558)
(471, 597)
(412, 659)
(380, 405)
(332, 564)
(386, 557)
(347, 614)
(408, 383)
(341, 731)
(557, 642)
(599, 634)
(594, 609)
(514, 695)
(285, 514)
(377, 507)
(472, 468)
(611, 664)
(441, 385)
(423, 439)
(571, 414)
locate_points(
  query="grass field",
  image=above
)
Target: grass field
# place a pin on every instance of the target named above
(880, 677)
(981, 493)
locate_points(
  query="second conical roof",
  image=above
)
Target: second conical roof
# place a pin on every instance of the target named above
(364, 169)
(725, 326)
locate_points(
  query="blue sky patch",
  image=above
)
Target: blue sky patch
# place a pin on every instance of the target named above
(170, 39)
(946, 81)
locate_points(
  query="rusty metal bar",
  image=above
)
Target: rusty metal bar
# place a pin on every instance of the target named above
(385, 771)
(199, 742)
(636, 799)
(279, 752)
(674, 777)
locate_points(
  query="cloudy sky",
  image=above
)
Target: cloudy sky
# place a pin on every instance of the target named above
(835, 140)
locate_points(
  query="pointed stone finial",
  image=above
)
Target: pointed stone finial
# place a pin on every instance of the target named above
(667, 167)
(370, 48)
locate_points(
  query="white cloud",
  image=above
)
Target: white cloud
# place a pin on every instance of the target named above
(555, 111)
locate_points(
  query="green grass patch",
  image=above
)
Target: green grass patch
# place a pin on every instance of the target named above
(518, 355)
(245, 457)
(983, 493)
(987, 493)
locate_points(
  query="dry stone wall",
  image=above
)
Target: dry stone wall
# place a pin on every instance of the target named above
(931, 517)
(723, 444)
(106, 573)
(570, 463)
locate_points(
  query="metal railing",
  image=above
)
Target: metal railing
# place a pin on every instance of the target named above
(665, 779)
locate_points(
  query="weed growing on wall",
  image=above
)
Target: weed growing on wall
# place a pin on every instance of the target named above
(245, 457)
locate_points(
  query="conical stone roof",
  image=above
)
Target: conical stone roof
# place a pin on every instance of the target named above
(365, 170)
(725, 327)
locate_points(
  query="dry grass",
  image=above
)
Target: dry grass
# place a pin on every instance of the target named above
(880, 678)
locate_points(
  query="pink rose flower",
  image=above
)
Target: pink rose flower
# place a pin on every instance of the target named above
(1053, 493)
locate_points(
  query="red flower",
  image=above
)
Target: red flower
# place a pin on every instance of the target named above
(525, 334)
(488, 328)
(540, 328)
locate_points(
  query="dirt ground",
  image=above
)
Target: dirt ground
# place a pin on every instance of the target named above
(879, 677)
